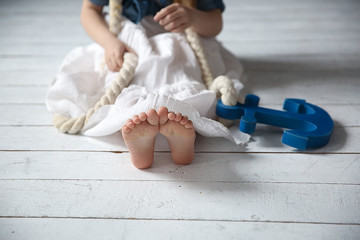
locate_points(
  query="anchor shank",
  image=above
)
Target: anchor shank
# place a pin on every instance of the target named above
(278, 118)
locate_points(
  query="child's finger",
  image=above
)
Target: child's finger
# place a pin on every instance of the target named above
(109, 64)
(178, 25)
(112, 65)
(128, 49)
(173, 25)
(132, 51)
(165, 11)
(179, 29)
(119, 59)
(171, 17)
(119, 62)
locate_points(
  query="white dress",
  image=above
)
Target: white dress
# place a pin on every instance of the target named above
(167, 75)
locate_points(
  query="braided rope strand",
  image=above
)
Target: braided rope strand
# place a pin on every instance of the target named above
(194, 41)
(75, 125)
(225, 89)
(115, 10)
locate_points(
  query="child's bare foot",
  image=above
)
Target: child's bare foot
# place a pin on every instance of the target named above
(139, 134)
(180, 134)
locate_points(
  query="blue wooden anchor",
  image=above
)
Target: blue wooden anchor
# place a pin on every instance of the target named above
(310, 126)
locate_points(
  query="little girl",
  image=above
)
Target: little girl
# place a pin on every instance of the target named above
(166, 95)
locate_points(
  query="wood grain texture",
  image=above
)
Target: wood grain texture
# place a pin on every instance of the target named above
(207, 167)
(305, 203)
(56, 186)
(113, 229)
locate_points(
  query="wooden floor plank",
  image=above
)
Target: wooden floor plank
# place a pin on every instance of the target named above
(297, 62)
(206, 167)
(316, 87)
(25, 115)
(42, 48)
(28, 78)
(111, 229)
(275, 47)
(303, 203)
(343, 140)
(31, 63)
(24, 94)
(41, 6)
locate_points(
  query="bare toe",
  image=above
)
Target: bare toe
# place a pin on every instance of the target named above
(142, 116)
(178, 117)
(189, 124)
(126, 129)
(152, 117)
(171, 116)
(184, 120)
(163, 115)
(130, 123)
(136, 119)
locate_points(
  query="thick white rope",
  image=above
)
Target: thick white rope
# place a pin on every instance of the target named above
(195, 43)
(115, 11)
(225, 89)
(222, 85)
(126, 74)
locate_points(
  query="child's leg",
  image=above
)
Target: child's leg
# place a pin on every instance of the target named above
(180, 134)
(139, 134)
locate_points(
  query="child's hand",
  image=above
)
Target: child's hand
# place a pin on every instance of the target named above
(174, 18)
(114, 54)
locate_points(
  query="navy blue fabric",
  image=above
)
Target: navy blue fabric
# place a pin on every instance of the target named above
(206, 5)
(135, 10)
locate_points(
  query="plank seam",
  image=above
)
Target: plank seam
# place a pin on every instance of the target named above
(183, 219)
(176, 181)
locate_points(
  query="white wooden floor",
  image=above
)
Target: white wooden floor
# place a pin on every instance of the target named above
(55, 186)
